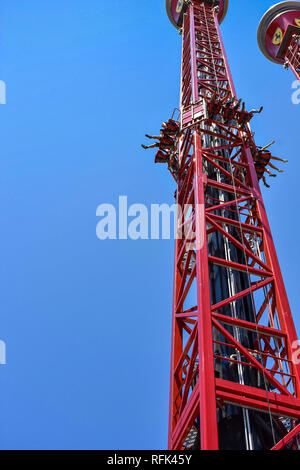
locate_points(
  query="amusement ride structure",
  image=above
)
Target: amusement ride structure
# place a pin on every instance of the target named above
(235, 373)
(279, 35)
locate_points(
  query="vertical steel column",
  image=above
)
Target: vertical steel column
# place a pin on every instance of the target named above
(207, 392)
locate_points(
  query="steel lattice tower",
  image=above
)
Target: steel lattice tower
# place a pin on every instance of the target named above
(234, 383)
(279, 35)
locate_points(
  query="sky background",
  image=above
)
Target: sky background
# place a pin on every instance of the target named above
(87, 323)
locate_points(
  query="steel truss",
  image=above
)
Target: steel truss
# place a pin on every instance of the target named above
(230, 308)
(292, 56)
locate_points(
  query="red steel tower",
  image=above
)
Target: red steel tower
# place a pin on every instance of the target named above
(279, 35)
(235, 373)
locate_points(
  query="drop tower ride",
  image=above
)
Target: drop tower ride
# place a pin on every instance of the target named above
(235, 373)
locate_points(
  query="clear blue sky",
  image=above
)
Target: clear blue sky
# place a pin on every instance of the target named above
(88, 323)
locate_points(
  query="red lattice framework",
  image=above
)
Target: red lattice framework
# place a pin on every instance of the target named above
(293, 54)
(226, 201)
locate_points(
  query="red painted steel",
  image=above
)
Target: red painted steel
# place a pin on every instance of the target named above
(279, 35)
(175, 9)
(196, 394)
(288, 439)
(292, 55)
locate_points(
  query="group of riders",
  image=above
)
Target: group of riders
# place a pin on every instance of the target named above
(230, 111)
(167, 140)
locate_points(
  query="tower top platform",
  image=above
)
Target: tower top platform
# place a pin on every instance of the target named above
(175, 10)
(275, 26)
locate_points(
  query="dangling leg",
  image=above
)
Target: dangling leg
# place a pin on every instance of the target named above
(156, 137)
(150, 146)
(274, 167)
(256, 111)
(265, 183)
(269, 145)
(279, 159)
(270, 174)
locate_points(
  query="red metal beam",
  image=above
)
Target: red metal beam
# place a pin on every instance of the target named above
(254, 398)
(287, 439)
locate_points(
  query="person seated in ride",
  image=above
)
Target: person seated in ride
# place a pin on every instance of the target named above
(166, 142)
(230, 110)
(171, 127)
(245, 117)
(264, 156)
(214, 110)
(238, 105)
(229, 116)
(163, 140)
(162, 157)
(260, 171)
(225, 97)
(230, 102)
